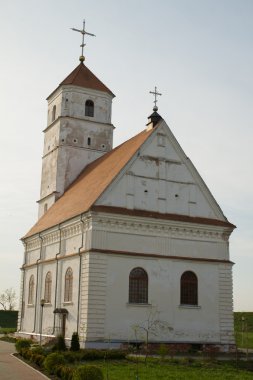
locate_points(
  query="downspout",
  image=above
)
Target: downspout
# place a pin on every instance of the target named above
(23, 289)
(80, 270)
(37, 276)
(56, 278)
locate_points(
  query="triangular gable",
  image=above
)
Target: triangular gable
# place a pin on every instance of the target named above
(162, 179)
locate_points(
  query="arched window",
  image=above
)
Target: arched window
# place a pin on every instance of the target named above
(138, 286)
(89, 108)
(89, 141)
(31, 290)
(54, 113)
(68, 285)
(189, 289)
(48, 287)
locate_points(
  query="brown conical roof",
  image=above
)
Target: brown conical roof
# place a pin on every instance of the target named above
(83, 77)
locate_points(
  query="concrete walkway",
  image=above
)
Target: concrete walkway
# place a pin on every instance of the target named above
(12, 368)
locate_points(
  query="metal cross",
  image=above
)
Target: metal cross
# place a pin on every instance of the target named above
(83, 32)
(155, 93)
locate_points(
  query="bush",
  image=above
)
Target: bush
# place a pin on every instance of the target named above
(64, 372)
(87, 372)
(115, 354)
(22, 343)
(163, 351)
(37, 359)
(75, 345)
(9, 339)
(60, 344)
(72, 357)
(25, 353)
(91, 354)
(52, 361)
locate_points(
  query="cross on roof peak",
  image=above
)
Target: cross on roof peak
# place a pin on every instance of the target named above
(83, 32)
(155, 93)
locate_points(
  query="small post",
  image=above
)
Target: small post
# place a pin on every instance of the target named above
(42, 303)
(243, 319)
(247, 341)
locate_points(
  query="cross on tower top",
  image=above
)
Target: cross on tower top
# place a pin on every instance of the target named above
(155, 93)
(83, 32)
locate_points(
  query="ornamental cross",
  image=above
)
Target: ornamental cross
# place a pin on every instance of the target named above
(83, 32)
(155, 93)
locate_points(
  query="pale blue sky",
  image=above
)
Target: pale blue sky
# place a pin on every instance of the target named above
(199, 55)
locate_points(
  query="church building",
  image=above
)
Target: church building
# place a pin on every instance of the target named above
(124, 235)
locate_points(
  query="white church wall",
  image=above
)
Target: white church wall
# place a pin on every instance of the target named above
(72, 306)
(164, 297)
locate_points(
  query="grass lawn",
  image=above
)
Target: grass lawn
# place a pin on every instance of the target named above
(244, 329)
(244, 340)
(153, 370)
(7, 330)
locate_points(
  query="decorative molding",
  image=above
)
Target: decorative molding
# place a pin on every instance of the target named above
(168, 217)
(148, 256)
(71, 231)
(161, 228)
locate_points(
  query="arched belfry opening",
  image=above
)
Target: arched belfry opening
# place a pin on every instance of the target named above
(89, 108)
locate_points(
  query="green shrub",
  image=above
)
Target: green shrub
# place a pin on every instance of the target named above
(75, 345)
(72, 357)
(25, 353)
(163, 351)
(91, 354)
(60, 344)
(64, 372)
(22, 343)
(9, 339)
(87, 372)
(52, 361)
(37, 359)
(115, 354)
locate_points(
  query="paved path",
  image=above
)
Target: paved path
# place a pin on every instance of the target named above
(13, 369)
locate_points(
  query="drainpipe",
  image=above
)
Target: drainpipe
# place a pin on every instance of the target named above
(56, 278)
(23, 289)
(37, 276)
(80, 269)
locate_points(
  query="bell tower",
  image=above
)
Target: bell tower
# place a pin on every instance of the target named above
(78, 131)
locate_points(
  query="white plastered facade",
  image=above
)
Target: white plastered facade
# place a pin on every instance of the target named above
(102, 246)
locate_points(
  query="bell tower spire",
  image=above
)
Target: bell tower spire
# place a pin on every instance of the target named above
(78, 131)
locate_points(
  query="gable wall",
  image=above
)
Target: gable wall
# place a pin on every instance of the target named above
(161, 179)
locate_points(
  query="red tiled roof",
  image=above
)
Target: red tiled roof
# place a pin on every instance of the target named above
(90, 184)
(83, 77)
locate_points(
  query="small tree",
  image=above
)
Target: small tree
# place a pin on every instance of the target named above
(8, 299)
(75, 345)
(60, 344)
(152, 326)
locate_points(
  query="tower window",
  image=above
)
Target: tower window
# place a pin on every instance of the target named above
(53, 113)
(89, 141)
(89, 108)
